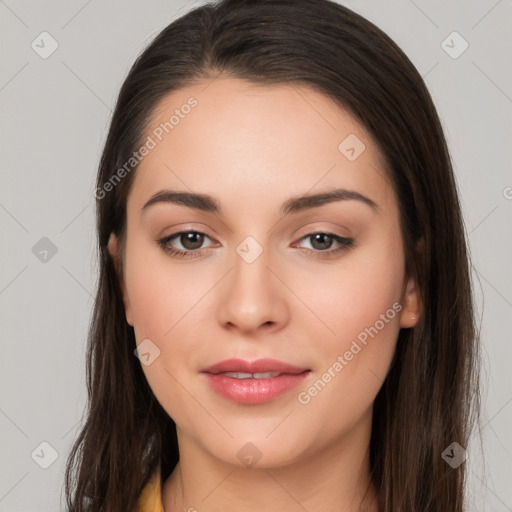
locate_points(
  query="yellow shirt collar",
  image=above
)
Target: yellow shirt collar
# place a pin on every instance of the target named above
(150, 499)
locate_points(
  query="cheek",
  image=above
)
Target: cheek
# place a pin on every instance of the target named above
(169, 305)
(360, 304)
(161, 296)
(363, 289)
(166, 307)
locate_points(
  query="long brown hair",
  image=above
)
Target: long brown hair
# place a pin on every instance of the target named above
(430, 396)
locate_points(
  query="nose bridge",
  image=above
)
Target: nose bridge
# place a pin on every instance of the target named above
(252, 296)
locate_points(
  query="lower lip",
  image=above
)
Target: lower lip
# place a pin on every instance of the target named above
(254, 391)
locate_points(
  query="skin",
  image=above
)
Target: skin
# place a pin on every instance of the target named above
(253, 147)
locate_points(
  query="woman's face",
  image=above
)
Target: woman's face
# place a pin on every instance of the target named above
(316, 284)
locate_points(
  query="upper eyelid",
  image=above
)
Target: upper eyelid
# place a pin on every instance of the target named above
(188, 227)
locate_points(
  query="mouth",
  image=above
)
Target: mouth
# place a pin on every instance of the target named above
(260, 375)
(255, 382)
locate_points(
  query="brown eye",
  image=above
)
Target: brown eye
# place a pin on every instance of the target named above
(189, 244)
(321, 241)
(191, 240)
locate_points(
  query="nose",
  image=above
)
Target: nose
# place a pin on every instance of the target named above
(253, 297)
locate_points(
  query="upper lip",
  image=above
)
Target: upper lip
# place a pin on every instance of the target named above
(258, 366)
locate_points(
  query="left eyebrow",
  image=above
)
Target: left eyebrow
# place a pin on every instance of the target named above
(207, 203)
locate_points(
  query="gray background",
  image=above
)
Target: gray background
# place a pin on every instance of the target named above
(55, 113)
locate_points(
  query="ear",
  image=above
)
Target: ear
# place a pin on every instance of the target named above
(113, 249)
(411, 305)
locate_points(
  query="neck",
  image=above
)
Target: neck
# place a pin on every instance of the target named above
(335, 478)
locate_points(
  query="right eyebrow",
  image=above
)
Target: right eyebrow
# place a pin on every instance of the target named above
(202, 202)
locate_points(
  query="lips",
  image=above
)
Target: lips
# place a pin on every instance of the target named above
(253, 383)
(260, 366)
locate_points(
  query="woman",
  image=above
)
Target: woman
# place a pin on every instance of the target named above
(284, 317)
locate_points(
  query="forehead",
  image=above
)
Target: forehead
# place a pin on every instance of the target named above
(257, 141)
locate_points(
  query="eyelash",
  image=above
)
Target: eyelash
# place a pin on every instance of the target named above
(345, 244)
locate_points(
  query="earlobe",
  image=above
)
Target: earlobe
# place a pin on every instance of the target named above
(411, 305)
(113, 249)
